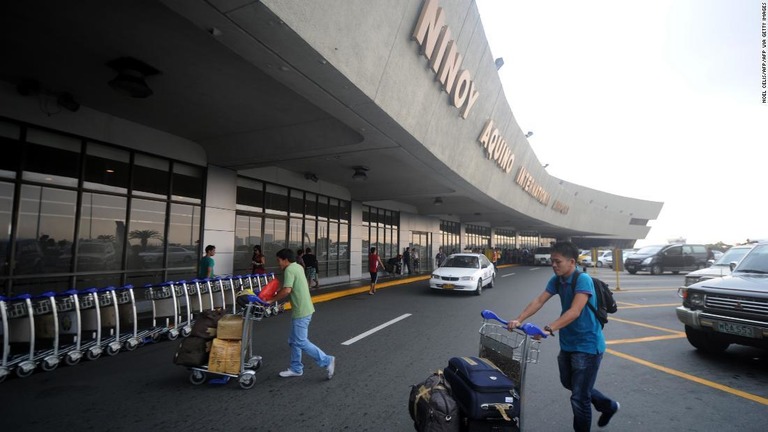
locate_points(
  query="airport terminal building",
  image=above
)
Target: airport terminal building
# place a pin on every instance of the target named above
(135, 133)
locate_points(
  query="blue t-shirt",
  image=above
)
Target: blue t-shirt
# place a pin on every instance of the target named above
(584, 334)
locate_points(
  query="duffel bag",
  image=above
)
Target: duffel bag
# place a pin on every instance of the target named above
(193, 351)
(481, 390)
(432, 407)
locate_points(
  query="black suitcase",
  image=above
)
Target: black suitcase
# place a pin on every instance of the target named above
(431, 406)
(483, 392)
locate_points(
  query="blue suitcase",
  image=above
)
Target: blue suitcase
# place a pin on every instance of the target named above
(482, 391)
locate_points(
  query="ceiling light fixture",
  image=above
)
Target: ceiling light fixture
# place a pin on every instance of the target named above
(130, 77)
(360, 173)
(311, 176)
(438, 201)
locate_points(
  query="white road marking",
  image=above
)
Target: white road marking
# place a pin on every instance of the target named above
(534, 268)
(508, 274)
(374, 330)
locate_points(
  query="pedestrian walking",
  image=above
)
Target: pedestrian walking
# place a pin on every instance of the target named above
(374, 261)
(296, 287)
(206, 263)
(582, 343)
(310, 264)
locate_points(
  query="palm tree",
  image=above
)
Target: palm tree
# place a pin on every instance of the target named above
(144, 236)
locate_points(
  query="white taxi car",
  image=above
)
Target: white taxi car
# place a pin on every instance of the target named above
(464, 272)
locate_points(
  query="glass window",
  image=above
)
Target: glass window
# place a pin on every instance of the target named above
(344, 211)
(295, 233)
(276, 200)
(106, 168)
(275, 236)
(150, 176)
(184, 236)
(187, 183)
(52, 158)
(11, 160)
(45, 235)
(310, 205)
(250, 195)
(102, 232)
(247, 235)
(296, 205)
(6, 206)
(147, 234)
(322, 207)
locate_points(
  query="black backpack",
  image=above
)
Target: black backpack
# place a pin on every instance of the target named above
(604, 296)
(432, 406)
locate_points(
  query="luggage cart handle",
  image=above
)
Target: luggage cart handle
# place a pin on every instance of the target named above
(530, 329)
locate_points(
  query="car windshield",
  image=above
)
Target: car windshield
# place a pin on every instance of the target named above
(462, 262)
(755, 262)
(649, 250)
(732, 255)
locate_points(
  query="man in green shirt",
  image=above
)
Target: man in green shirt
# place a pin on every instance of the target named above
(295, 285)
(206, 263)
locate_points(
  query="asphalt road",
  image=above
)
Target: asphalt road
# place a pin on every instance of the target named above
(662, 383)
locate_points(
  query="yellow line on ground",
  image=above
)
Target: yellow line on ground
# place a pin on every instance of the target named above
(683, 375)
(637, 306)
(644, 325)
(626, 303)
(363, 288)
(641, 290)
(645, 339)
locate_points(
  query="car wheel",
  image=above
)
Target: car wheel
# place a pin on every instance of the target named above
(656, 269)
(599, 263)
(490, 284)
(632, 271)
(479, 289)
(675, 272)
(705, 342)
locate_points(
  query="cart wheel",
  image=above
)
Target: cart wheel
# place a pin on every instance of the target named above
(23, 372)
(131, 344)
(155, 337)
(173, 334)
(112, 350)
(49, 365)
(72, 359)
(268, 312)
(247, 381)
(92, 354)
(197, 377)
(3, 374)
(186, 331)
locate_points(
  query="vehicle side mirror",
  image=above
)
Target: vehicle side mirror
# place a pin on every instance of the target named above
(484, 266)
(732, 265)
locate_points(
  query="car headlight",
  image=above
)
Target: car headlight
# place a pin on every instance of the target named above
(690, 280)
(434, 276)
(468, 278)
(647, 261)
(696, 299)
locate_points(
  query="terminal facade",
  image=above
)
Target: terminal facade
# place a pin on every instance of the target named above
(136, 133)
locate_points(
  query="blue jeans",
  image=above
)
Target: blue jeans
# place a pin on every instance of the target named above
(299, 341)
(578, 372)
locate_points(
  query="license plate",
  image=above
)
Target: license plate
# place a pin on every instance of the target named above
(630, 267)
(449, 286)
(736, 329)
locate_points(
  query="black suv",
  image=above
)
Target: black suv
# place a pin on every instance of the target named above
(729, 310)
(671, 257)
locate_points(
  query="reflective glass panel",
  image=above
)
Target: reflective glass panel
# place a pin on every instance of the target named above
(46, 226)
(102, 232)
(146, 234)
(150, 176)
(106, 168)
(184, 236)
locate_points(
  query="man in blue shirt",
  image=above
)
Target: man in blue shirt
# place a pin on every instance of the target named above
(206, 263)
(581, 336)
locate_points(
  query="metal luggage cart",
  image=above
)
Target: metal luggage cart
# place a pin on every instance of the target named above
(167, 309)
(110, 320)
(204, 299)
(6, 345)
(220, 286)
(511, 351)
(130, 338)
(249, 363)
(46, 334)
(19, 329)
(90, 323)
(68, 309)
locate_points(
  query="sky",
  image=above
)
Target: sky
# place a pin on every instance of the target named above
(657, 100)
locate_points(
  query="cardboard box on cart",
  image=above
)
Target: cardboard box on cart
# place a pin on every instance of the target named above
(225, 356)
(230, 327)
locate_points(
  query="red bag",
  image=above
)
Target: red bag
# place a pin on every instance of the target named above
(270, 290)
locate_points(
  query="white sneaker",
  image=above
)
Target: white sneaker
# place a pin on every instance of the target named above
(289, 373)
(331, 367)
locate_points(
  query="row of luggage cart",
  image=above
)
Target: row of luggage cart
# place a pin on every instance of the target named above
(53, 327)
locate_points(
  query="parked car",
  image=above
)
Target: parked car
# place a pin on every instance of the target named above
(542, 256)
(729, 310)
(176, 256)
(601, 256)
(721, 267)
(671, 257)
(464, 272)
(96, 255)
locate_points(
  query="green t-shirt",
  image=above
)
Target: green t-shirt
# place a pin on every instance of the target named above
(301, 300)
(206, 264)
